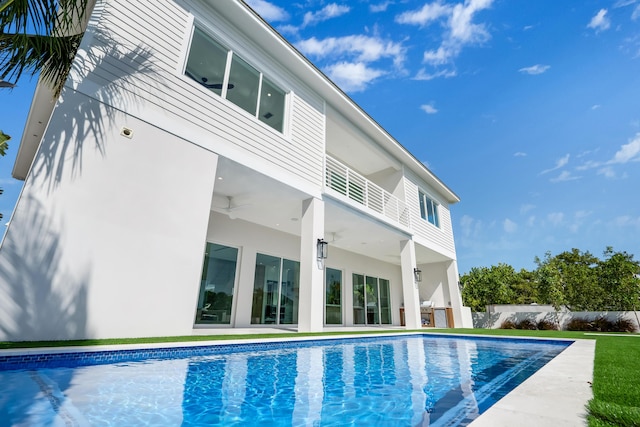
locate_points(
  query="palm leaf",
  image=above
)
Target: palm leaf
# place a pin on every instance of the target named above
(40, 36)
(4, 146)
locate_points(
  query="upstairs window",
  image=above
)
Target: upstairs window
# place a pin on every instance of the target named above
(428, 209)
(226, 74)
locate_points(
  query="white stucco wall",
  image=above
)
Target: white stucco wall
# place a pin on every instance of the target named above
(106, 239)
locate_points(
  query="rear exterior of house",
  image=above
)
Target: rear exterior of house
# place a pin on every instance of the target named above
(185, 179)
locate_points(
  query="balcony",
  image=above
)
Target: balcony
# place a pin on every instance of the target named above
(351, 184)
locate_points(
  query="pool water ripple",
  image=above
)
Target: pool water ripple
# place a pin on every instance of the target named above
(397, 381)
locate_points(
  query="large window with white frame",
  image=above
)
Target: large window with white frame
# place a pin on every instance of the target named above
(275, 291)
(215, 301)
(429, 209)
(223, 72)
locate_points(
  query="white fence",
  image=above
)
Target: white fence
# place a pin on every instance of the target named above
(561, 318)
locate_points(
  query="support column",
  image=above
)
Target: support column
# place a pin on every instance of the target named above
(410, 291)
(311, 301)
(461, 314)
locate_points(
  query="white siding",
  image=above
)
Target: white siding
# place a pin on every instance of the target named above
(439, 239)
(133, 61)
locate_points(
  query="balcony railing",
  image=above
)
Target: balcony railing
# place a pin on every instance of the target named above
(347, 182)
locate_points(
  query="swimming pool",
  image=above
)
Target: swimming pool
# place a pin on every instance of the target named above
(396, 381)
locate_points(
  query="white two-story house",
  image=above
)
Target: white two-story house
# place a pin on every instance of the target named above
(197, 173)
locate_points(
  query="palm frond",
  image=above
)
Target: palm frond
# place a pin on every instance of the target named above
(4, 146)
(40, 36)
(51, 56)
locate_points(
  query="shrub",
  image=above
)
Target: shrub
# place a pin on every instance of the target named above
(577, 324)
(623, 325)
(526, 324)
(508, 324)
(547, 325)
(602, 324)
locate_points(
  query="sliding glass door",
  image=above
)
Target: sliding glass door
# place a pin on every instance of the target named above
(333, 297)
(371, 302)
(275, 291)
(215, 301)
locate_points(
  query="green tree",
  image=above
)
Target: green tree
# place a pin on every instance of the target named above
(619, 278)
(569, 279)
(4, 143)
(483, 286)
(40, 36)
(525, 288)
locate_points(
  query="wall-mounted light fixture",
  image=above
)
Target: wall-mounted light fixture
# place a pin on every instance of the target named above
(417, 275)
(322, 249)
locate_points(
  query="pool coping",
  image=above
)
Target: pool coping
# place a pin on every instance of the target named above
(555, 395)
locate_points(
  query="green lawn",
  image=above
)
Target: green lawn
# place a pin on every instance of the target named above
(616, 376)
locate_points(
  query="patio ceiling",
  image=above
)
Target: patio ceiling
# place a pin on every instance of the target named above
(246, 195)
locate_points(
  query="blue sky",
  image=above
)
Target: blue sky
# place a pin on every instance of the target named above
(529, 110)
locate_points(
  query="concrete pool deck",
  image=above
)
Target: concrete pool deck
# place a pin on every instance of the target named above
(555, 395)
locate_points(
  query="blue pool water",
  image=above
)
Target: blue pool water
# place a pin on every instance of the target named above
(394, 381)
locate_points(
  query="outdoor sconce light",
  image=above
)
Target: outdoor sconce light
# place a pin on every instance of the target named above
(322, 248)
(417, 275)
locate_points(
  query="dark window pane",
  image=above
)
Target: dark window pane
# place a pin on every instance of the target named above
(207, 62)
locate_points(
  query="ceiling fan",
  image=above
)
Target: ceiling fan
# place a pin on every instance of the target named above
(204, 81)
(231, 209)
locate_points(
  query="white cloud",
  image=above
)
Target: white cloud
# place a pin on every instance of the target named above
(441, 56)
(526, 208)
(363, 48)
(607, 172)
(555, 218)
(423, 75)
(561, 162)
(582, 214)
(535, 69)
(288, 29)
(627, 221)
(531, 221)
(600, 22)
(353, 77)
(429, 13)
(519, 154)
(636, 13)
(428, 108)
(628, 153)
(564, 176)
(509, 226)
(460, 30)
(380, 7)
(268, 11)
(329, 11)
(462, 27)
(352, 56)
(470, 226)
(623, 3)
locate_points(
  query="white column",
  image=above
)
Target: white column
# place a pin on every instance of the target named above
(311, 301)
(244, 294)
(410, 291)
(455, 299)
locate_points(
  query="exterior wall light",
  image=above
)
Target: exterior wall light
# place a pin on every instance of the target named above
(322, 248)
(417, 275)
